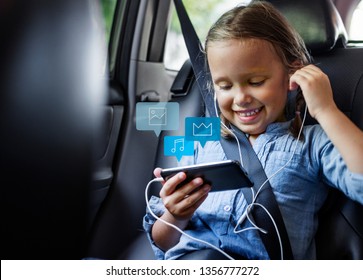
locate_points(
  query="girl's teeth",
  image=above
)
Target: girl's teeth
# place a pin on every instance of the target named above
(251, 113)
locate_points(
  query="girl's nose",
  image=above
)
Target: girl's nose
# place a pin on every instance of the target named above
(242, 97)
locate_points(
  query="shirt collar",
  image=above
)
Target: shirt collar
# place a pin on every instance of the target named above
(278, 127)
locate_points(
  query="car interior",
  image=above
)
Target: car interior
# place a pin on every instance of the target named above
(74, 167)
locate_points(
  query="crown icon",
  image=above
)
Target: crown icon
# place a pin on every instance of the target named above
(202, 129)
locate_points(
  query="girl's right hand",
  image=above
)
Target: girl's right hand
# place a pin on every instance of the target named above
(181, 203)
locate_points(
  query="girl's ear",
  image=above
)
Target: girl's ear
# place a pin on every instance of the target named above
(296, 65)
(293, 85)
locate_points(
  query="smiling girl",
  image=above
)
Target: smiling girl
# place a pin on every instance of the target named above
(256, 59)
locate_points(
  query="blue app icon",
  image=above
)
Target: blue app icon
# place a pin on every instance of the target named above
(202, 129)
(178, 146)
(157, 116)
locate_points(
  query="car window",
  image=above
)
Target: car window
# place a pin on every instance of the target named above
(356, 30)
(202, 14)
(108, 11)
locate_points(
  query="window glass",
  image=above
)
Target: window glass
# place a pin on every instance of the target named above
(108, 11)
(356, 25)
(202, 14)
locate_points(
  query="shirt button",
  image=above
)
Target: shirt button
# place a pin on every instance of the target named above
(227, 208)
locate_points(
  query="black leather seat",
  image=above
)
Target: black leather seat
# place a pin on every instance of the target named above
(50, 106)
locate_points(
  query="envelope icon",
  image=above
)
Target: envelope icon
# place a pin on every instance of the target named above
(157, 116)
(202, 129)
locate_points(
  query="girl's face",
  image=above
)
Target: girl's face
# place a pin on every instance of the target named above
(250, 82)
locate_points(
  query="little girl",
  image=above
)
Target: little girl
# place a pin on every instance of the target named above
(256, 59)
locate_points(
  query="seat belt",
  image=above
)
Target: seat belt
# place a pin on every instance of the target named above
(266, 197)
(253, 165)
(197, 57)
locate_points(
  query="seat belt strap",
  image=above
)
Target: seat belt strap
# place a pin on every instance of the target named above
(265, 197)
(253, 165)
(197, 57)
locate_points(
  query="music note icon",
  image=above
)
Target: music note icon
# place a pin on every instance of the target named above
(177, 142)
(178, 146)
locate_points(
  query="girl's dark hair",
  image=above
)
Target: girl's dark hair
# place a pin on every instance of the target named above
(263, 21)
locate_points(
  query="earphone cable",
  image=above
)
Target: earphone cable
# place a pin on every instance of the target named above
(175, 227)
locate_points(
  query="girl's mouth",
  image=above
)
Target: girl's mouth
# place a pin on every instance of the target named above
(250, 114)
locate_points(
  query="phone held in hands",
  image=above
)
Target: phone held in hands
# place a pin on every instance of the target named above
(221, 175)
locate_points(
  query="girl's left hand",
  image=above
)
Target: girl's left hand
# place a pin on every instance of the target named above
(316, 88)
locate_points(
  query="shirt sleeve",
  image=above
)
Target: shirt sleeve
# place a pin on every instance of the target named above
(333, 169)
(157, 207)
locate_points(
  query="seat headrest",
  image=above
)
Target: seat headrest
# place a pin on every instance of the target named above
(317, 21)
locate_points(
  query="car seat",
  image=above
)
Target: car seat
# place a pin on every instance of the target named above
(50, 109)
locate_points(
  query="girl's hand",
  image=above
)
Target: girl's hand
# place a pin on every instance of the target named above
(316, 88)
(181, 203)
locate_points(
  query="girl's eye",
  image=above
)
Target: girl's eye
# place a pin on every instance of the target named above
(256, 83)
(224, 87)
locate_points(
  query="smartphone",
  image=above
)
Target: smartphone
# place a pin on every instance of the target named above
(221, 175)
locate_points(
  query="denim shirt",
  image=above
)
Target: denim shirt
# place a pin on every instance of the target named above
(300, 190)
